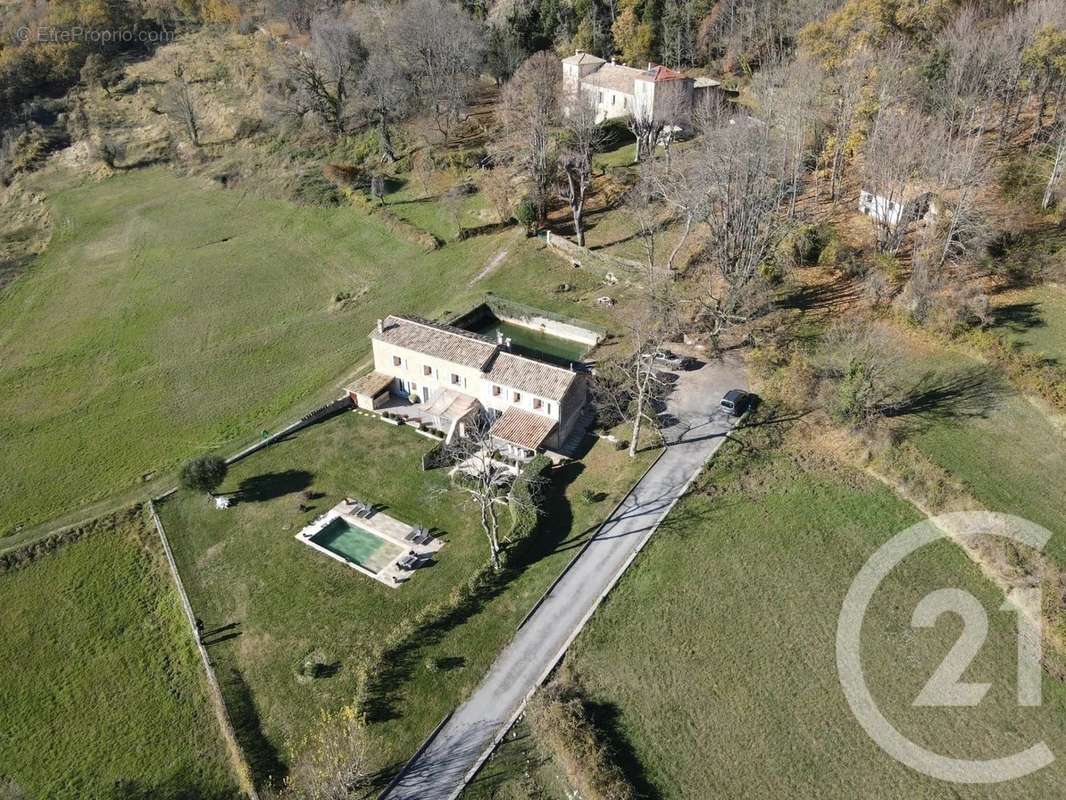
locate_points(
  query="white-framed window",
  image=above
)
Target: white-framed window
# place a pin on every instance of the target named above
(537, 403)
(517, 397)
(427, 370)
(397, 361)
(455, 379)
(496, 391)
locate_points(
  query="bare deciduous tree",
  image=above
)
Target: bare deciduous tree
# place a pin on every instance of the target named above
(737, 180)
(528, 113)
(896, 159)
(321, 81)
(441, 47)
(581, 137)
(1058, 163)
(386, 93)
(181, 103)
(646, 129)
(789, 96)
(487, 482)
(631, 386)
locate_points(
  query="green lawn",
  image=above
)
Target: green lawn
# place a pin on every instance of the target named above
(712, 664)
(1013, 461)
(169, 316)
(437, 213)
(245, 569)
(101, 682)
(1008, 456)
(1035, 320)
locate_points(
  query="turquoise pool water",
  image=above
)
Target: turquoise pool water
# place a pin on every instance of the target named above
(532, 342)
(354, 544)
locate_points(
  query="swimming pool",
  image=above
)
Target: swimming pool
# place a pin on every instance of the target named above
(533, 342)
(356, 545)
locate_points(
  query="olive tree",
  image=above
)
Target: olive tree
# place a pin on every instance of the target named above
(204, 473)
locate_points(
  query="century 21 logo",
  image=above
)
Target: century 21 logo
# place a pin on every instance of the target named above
(945, 687)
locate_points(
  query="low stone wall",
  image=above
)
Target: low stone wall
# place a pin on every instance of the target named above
(584, 257)
(320, 413)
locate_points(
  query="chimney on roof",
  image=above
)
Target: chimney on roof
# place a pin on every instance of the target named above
(381, 326)
(650, 65)
(499, 338)
(507, 342)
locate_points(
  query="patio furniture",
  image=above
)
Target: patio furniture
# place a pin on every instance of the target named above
(409, 561)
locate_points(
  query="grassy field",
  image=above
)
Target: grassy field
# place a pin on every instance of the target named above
(281, 600)
(1012, 461)
(169, 316)
(101, 680)
(742, 590)
(987, 437)
(436, 212)
(1034, 320)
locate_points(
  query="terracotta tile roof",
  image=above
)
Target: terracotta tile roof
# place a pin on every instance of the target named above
(581, 57)
(528, 375)
(657, 73)
(439, 341)
(371, 384)
(522, 428)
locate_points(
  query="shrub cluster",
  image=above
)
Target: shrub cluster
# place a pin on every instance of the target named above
(561, 722)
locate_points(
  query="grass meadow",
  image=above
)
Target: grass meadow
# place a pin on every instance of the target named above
(1000, 447)
(277, 600)
(102, 686)
(1034, 320)
(711, 666)
(169, 317)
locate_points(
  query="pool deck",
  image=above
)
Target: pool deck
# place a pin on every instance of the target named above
(380, 524)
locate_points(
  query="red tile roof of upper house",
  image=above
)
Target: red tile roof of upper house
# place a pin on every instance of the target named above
(657, 72)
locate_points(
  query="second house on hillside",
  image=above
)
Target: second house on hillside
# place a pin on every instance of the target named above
(446, 377)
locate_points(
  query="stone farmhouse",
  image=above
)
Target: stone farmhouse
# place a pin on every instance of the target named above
(619, 90)
(446, 376)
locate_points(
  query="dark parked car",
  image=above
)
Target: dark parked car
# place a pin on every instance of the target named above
(737, 402)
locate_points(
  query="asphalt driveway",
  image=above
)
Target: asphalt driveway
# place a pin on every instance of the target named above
(698, 429)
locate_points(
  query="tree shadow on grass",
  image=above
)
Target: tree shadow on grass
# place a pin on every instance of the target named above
(385, 685)
(974, 392)
(175, 787)
(263, 759)
(1018, 317)
(271, 485)
(606, 719)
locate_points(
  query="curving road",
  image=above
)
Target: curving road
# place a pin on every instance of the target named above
(442, 769)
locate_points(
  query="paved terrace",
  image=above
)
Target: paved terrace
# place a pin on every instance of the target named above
(441, 771)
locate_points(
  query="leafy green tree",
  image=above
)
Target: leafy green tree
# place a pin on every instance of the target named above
(204, 473)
